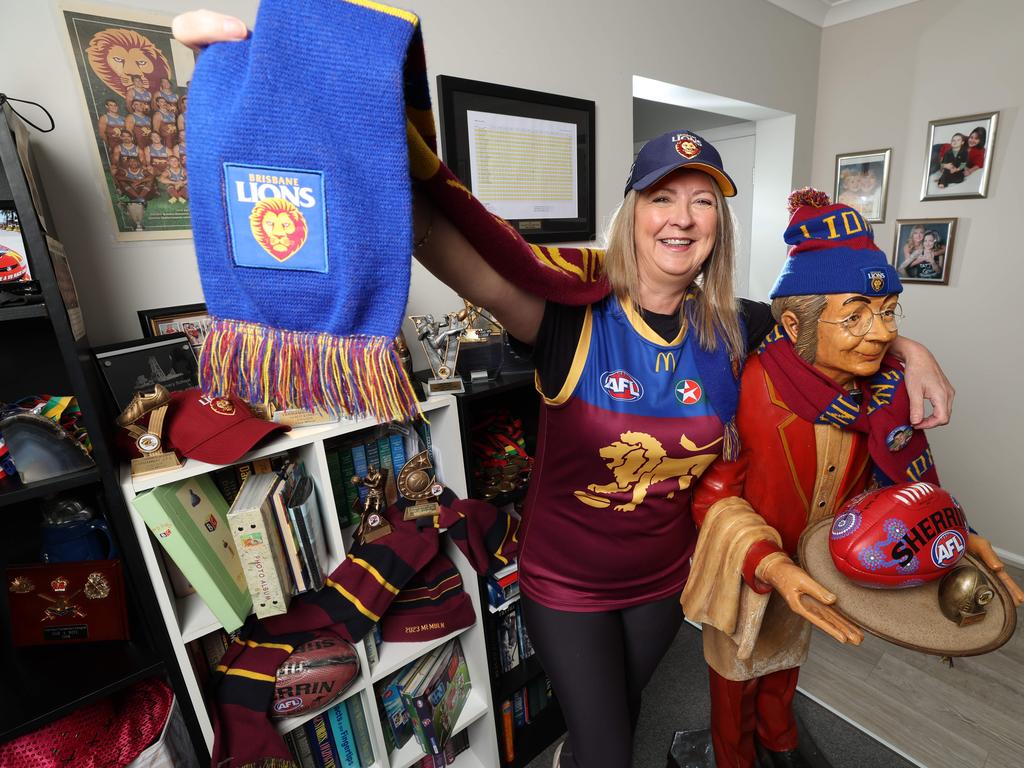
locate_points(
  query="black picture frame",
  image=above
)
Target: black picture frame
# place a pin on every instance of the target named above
(135, 366)
(502, 113)
(191, 319)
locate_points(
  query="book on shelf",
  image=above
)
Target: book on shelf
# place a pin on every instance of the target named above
(189, 520)
(348, 471)
(440, 698)
(372, 651)
(360, 466)
(508, 640)
(508, 732)
(456, 745)
(526, 649)
(361, 730)
(397, 442)
(338, 480)
(321, 743)
(259, 547)
(519, 715)
(304, 514)
(344, 738)
(387, 462)
(503, 585)
(298, 745)
(288, 534)
(389, 693)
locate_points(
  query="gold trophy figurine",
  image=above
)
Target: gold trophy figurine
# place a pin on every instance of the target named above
(143, 418)
(440, 340)
(372, 522)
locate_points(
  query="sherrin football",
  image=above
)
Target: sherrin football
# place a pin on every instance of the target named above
(897, 537)
(316, 673)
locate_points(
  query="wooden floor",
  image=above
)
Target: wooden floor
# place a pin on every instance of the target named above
(967, 716)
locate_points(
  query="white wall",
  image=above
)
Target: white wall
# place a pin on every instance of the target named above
(938, 59)
(744, 49)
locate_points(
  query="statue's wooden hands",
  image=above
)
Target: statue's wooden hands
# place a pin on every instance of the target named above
(808, 598)
(982, 549)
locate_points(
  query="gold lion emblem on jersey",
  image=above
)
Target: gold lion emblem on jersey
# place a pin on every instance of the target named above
(638, 461)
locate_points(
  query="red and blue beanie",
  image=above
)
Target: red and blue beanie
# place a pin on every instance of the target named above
(832, 250)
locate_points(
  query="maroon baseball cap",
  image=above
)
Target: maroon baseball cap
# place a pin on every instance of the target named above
(218, 430)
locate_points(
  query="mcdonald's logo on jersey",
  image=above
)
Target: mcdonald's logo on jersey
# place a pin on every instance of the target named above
(665, 361)
(276, 217)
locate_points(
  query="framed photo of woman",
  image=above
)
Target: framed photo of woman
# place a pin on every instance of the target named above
(190, 319)
(923, 250)
(959, 157)
(862, 182)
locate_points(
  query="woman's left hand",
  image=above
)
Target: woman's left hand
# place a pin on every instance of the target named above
(925, 381)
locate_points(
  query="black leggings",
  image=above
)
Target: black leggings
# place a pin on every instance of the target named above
(599, 664)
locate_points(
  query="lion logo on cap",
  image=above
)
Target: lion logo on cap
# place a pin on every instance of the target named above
(279, 227)
(688, 146)
(876, 279)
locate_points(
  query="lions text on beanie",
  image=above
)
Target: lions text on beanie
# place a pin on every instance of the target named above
(301, 208)
(832, 250)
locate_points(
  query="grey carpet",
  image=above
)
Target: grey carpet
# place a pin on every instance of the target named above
(677, 699)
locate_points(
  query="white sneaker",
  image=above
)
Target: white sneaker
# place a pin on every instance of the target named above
(558, 754)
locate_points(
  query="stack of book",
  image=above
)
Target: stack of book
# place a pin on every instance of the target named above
(337, 738)
(521, 709)
(503, 585)
(278, 532)
(424, 700)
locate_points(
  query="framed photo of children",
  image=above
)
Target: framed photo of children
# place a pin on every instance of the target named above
(959, 157)
(190, 319)
(923, 250)
(134, 84)
(862, 182)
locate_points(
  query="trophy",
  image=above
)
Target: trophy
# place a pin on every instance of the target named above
(417, 483)
(150, 407)
(440, 339)
(372, 522)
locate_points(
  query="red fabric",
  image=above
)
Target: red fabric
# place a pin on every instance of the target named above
(218, 430)
(739, 708)
(108, 733)
(755, 555)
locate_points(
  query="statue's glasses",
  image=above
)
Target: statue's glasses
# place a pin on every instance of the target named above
(859, 322)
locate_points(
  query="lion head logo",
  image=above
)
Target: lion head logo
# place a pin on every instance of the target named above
(688, 147)
(115, 55)
(279, 227)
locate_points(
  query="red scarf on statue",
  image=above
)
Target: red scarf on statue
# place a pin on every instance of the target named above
(899, 452)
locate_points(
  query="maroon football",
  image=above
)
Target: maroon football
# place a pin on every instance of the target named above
(316, 673)
(900, 536)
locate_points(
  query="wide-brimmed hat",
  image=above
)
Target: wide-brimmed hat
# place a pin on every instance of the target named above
(909, 617)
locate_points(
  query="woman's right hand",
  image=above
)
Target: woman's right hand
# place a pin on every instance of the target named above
(197, 29)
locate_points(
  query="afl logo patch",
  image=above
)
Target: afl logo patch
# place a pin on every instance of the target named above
(948, 548)
(621, 386)
(876, 281)
(688, 146)
(688, 392)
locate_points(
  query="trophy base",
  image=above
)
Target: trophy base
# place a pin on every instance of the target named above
(155, 462)
(452, 386)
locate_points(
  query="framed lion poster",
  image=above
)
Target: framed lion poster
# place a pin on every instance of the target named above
(134, 79)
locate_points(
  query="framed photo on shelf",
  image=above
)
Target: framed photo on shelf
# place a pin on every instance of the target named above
(135, 366)
(959, 157)
(528, 156)
(190, 319)
(862, 182)
(923, 250)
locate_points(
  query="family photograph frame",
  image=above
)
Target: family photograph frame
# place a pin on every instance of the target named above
(191, 319)
(959, 154)
(922, 250)
(862, 182)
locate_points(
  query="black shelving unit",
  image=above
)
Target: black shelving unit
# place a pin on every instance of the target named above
(41, 355)
(515, 393)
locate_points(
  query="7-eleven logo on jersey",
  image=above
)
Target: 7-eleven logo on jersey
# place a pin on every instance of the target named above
(688, 392)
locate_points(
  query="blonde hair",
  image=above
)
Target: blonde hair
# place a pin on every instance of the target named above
(715, 310)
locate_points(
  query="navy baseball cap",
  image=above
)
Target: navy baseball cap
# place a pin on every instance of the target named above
(677, 149)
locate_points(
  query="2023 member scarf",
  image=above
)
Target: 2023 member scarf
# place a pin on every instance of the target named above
(402, 580)
(899, 452)
(303, 140)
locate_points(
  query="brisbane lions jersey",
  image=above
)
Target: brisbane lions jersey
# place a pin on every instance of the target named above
(607, 520)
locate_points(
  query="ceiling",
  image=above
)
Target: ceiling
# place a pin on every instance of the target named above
(825, 13)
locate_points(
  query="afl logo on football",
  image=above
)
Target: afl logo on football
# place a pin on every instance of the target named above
(621, 386)
(948, 548)
(278, 226)
(287, 705)
(686, 145)
(688, 392)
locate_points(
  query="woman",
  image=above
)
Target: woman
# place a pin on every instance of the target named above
(912, 248)
(976, 150)
(602, 614)
(927, 262)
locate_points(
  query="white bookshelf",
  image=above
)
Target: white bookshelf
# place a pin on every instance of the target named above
(189, 618)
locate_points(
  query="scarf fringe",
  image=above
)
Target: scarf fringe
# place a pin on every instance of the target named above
(731, 441)
(348, 376)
